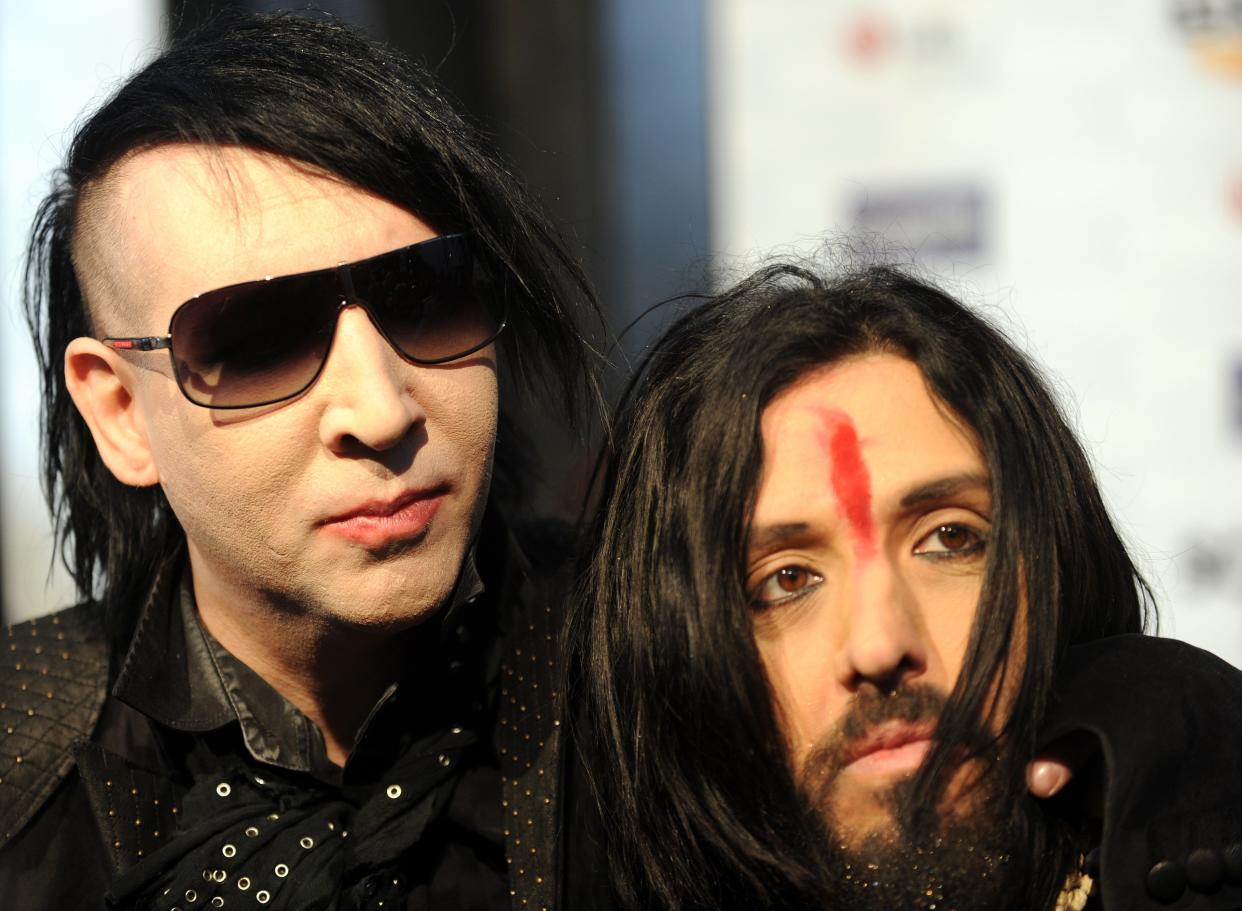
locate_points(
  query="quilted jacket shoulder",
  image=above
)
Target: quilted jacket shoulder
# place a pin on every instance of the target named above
(53, 680)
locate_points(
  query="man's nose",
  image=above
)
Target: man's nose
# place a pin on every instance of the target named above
(366, 387)
(884, 642)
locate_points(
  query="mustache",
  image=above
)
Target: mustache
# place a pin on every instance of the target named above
(913, 704)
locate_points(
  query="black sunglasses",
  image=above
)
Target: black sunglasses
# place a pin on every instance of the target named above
(261, 342)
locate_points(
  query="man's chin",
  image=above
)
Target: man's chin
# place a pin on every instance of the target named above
(368, 600)
(857, 816)
(394, 588)
(875, 861)
(887, 871)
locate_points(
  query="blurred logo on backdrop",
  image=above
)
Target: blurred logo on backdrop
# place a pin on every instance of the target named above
(1212, 29)
(1235, 399)
(1212, 564)
(945, 221)
(910, 34)
(1210, 558)
(870, 38)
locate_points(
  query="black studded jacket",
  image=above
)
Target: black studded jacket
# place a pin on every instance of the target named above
(192, 784)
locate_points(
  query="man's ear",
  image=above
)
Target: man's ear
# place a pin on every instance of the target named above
(101, 386)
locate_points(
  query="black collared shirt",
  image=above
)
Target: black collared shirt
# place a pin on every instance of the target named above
(211, 790)
(178, 674)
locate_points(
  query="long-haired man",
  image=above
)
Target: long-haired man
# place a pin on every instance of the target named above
(849, 551)
(283, 298)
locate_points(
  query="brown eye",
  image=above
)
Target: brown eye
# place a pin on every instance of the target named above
(791, 578)
(786, 583)
(949, 541)
(954, 537)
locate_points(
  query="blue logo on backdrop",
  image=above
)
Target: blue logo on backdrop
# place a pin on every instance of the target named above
(935, 221)
(1235, 398)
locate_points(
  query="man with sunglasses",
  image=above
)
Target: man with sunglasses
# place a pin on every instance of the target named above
(283, 299)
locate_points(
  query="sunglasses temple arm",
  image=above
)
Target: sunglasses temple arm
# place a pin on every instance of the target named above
(144, 343)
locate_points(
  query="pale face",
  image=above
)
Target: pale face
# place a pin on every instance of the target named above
(354, 502)
(866, 564)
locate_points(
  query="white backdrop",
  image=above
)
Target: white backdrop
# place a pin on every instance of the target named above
(56, 61)
(1075, 169)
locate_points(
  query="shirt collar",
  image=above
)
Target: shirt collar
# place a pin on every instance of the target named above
(168, 675)
(179, 675)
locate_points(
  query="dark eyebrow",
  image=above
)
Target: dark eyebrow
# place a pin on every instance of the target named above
(771, 535)
(943, 488)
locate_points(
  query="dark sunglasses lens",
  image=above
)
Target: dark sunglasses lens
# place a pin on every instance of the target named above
(254, 343)
(434, 301)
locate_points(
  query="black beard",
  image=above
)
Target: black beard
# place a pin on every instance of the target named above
(967, 865)
(962, 860)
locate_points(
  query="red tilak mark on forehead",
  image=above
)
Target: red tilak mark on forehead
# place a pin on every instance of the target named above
(851, 481)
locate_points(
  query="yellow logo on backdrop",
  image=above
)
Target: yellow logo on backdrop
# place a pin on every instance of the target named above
(1221, 55)
(1213, 31)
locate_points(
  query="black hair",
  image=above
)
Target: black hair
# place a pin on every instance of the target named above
(676, 720)
(318, 92)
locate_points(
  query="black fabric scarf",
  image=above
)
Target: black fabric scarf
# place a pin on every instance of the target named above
(277, 839)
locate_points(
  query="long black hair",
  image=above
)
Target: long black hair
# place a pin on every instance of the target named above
(675, 718)
(318, 92)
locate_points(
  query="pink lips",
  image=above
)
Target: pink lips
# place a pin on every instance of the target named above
(381, 523)
(890, 749)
